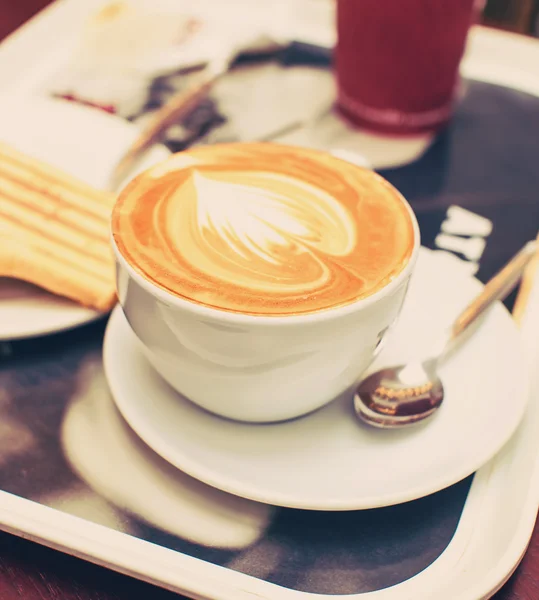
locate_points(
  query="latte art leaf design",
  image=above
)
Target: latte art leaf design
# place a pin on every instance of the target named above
(263, 229)
(244, 228)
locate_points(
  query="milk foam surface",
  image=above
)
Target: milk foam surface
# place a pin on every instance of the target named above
(263, 229)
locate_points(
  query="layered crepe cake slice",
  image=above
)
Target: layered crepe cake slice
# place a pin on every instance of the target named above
(54, 231)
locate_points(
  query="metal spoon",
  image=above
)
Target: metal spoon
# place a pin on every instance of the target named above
(171, 112)
(398, 396)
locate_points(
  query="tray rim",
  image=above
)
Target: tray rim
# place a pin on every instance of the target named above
(514, 66)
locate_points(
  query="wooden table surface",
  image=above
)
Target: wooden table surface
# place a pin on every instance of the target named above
(33, 572)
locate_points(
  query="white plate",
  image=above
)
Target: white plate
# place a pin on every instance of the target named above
(85, 142)
(327, 460)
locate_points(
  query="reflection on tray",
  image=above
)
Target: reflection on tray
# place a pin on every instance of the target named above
(115, 463)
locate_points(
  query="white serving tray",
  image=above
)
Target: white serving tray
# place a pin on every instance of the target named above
(502, 504)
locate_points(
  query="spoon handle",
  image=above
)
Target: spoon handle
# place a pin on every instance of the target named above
(496, 289)
(175, 109)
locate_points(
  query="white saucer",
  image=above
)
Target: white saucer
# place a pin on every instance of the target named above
(85, 142)
(327, 460)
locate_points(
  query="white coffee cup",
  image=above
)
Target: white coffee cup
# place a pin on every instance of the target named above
(259, 368)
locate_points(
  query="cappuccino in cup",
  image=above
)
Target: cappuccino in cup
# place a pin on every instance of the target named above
(260, 278)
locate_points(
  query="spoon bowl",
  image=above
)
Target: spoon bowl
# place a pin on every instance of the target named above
(399, 396)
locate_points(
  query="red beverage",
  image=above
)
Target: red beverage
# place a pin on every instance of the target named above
(397, 61)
